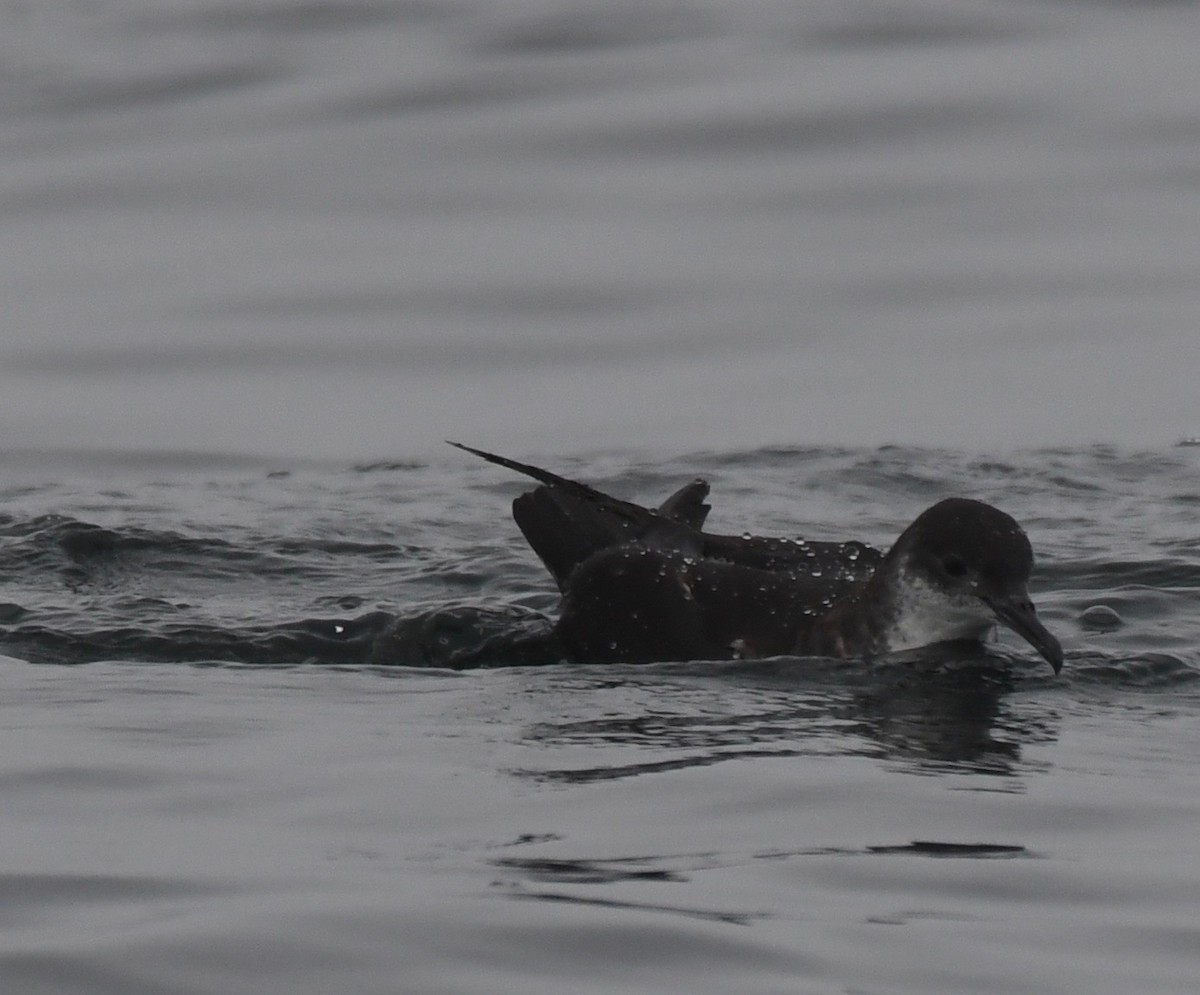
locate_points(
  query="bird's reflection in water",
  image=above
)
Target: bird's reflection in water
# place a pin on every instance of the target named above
(958, 714)
(962, 719)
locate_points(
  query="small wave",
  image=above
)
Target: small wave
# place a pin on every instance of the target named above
(1149, 671)
(54, 539)
(429, 638)
(330, 642)
(1112, 575)
(464, 637)
(85, 553)
(388, 466)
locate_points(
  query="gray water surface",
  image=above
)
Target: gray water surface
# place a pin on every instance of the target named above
(352, 229)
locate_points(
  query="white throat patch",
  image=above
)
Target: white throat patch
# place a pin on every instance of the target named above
(926, 614)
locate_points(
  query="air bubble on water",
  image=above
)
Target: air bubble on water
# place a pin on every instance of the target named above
(1101, 618)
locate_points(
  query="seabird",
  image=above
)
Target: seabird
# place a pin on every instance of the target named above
(641, 585)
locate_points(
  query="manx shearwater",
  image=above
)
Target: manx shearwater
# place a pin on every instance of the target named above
(641, 585)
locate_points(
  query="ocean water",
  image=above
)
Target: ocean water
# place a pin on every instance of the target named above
(230, 762)
(258, 259)
(353, 228)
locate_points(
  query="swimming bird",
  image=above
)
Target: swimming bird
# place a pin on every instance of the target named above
(641, 585)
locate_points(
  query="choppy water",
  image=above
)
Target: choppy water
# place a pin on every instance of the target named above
(237, 789)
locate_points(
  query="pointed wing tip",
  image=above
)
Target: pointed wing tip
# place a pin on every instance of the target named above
(482, 453)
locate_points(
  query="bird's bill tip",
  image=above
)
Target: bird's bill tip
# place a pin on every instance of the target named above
(1018, 614)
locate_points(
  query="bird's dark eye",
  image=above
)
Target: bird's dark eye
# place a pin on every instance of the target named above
(954, 566)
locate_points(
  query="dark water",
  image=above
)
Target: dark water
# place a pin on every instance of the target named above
(235, 787)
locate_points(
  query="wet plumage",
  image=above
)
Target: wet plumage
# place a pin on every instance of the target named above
(643, 585)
